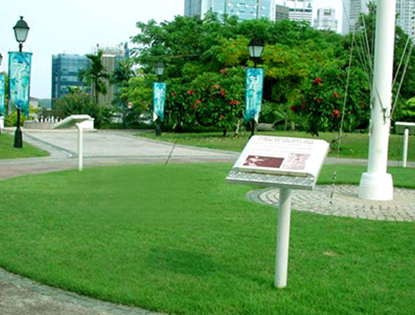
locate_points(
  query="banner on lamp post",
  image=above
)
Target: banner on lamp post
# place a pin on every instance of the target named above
(19, 81)
(254, 88)
(2, 94)
(159, 90)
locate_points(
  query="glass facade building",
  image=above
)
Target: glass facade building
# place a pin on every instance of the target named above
(351, 12)
(65, 69)
(244, 10)
(405, 11)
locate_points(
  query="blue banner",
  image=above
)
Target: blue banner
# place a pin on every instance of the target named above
(159, 100)
(2, 94)
(19, 80)
(254, 87)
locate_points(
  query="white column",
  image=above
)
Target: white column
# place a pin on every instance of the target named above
(376, 184)
(283, 238)
(405, 147)
(80, 146)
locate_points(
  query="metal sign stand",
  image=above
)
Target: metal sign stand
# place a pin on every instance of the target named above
(283, 238)
(77, 121)
(283, 180)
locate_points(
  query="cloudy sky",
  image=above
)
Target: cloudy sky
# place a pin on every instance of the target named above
(76, 26)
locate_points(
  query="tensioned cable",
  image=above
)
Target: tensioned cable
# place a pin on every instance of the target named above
(401, 82)
(342, 121)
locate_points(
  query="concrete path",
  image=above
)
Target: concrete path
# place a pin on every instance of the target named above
(25, 297)
(101, 149)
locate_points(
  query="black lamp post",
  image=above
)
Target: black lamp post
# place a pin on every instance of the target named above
(159, 70)
(21, 29)
(255, 48)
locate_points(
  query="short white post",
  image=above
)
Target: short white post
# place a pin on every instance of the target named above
(283, 238)
(80, 146)
(405, 146)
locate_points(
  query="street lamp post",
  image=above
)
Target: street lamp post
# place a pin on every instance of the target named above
(21, 30)
(255, 48)
(159, 70)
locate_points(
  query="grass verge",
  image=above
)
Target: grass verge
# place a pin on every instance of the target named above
(8, 151)
(353, 145)
(179, 239)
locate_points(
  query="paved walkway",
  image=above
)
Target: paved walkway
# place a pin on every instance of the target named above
(25, 297)
(342, 200)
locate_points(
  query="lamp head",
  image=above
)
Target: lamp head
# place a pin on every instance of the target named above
(21, 29)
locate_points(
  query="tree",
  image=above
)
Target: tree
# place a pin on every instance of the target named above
(95, 75)
(76, 101)
(218, 98)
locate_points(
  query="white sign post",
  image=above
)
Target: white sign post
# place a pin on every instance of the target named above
(287, 163)
(75, 120)
(407, 127)
(80, 146)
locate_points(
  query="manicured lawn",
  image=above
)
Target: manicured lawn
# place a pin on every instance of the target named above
(179, 239)
(353, 145)
(7, 151)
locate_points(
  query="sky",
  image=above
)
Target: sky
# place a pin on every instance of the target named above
(77, 26)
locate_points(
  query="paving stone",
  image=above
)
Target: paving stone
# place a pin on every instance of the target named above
(342, 200)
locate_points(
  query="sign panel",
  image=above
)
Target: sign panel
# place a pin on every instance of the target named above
(2, 94)
(293, 163)
(159, 100)
(19, 80)
(282, 156)
(254, 87)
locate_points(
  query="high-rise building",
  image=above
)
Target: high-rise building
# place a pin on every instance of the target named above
(326, 20)
(405, 11)
(111, 57)
(351, 12)
(244, 10)
(300, 10)
(281, 12)
(65, 69)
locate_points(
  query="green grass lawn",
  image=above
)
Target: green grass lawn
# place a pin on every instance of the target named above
(8, 151)
(353, 145)
(180, 239)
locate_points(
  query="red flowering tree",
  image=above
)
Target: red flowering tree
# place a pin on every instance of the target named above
(179, 99)
(321, 102)
(218, 98)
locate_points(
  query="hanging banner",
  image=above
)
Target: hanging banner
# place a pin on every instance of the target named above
(159, 100)
(19, 80)
(254, 87)
(2, 94)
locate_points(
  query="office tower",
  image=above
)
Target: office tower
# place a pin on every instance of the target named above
(405, 11)
(326, 20)
(65, 69)
(111, 57)
(351, 12)
(281, 12)
(244, 10)
(300, 10)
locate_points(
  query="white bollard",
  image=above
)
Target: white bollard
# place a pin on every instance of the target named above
(283, 238)
(80, 146)
(405, 147)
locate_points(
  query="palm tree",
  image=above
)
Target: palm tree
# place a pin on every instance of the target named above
(95, 75)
